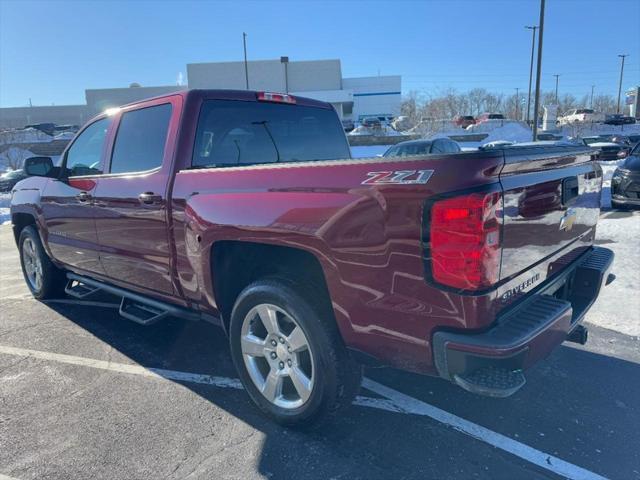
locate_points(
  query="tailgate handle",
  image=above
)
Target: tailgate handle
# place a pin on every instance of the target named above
(570, 189)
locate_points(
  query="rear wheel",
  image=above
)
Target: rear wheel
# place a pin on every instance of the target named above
(43, 278)
(289, 355)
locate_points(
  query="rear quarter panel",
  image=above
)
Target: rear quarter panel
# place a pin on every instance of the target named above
(367, 238)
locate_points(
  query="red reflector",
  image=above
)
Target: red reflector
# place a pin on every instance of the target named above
(465, 241)
(276, 97)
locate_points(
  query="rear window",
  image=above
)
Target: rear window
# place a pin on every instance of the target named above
(233, 133)
(496, 116)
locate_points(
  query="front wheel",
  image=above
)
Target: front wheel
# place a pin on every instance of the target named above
(43, 278)
(289, 354)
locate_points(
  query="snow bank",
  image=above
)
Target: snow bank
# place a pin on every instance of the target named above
(27, 135)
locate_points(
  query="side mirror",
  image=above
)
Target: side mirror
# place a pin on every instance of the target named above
(38, 166)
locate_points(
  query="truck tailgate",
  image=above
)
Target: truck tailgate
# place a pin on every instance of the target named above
(551, 205)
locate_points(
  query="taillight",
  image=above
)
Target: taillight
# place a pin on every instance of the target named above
(276, 97)
(465, 241)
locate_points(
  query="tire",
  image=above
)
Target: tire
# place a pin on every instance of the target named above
(284, 368)
(42, 277)
(618, 206)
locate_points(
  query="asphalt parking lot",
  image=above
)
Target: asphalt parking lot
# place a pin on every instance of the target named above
(87, 394)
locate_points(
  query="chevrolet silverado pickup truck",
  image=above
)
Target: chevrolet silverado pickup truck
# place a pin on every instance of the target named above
(246, 209)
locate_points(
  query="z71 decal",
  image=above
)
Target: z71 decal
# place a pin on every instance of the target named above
(399, 177)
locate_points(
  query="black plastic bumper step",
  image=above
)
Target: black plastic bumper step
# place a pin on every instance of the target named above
(491, 381)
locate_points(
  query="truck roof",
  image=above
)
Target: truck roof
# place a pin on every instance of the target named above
(224, 94)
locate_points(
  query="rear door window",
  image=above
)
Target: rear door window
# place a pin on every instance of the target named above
(141, 138)
(232, 132)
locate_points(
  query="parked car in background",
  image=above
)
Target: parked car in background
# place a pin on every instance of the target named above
(372, 122)
(348, 125)
(464, 121)
(401, 123)
(9, 179)
(489, 116)
(581, 115)
(608, 150)
(625, 183)
(546, 136)
(619, 119)
(422, 147)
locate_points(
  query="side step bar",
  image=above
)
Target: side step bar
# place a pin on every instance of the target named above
(134, 307)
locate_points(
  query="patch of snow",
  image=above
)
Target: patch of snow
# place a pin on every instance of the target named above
(26, 135)
(5, 202)
(618, 307)
(65, 136)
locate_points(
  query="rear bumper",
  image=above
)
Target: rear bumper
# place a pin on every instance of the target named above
(491, 363)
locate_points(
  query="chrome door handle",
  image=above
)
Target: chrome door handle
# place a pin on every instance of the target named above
(149, 198)
(84, 197)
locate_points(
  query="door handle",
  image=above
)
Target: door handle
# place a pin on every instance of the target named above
(84, 197)
(149, 198)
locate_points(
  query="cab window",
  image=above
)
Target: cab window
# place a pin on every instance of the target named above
(84, 157)
(140, 141)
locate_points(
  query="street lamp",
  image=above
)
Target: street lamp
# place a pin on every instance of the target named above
(557, 76)
(620, 84)
(536, 104)
(285, 60)
(533, 28)
(246, 66)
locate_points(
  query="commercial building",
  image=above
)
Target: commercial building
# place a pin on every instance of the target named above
(353, 98)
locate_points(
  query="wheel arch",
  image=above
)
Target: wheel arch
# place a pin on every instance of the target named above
(235, 264)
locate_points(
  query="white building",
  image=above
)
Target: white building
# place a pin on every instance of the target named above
(353, 98)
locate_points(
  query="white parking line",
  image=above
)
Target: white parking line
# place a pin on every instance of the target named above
(393, 401)
(5, 477)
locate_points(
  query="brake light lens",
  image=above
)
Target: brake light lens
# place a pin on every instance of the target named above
(465, 241)
(276, 97)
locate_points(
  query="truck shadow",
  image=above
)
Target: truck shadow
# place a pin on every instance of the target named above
(575, 398)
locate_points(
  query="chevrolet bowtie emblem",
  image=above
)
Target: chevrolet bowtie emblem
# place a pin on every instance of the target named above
(567, 220)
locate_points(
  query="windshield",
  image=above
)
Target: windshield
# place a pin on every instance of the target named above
(247, 133)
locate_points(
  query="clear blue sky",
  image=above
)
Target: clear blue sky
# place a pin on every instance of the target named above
(51, 51)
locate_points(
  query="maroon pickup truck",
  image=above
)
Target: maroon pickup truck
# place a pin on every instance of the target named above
(246, 209)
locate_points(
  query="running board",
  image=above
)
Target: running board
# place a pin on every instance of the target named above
(135, 307)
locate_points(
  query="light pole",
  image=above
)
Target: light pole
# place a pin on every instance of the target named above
(557, 76)
(533, 28)
(285, 60)
(620, 84)
(517, 102)
(536, 104)
(591, 102)
(246, 69)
